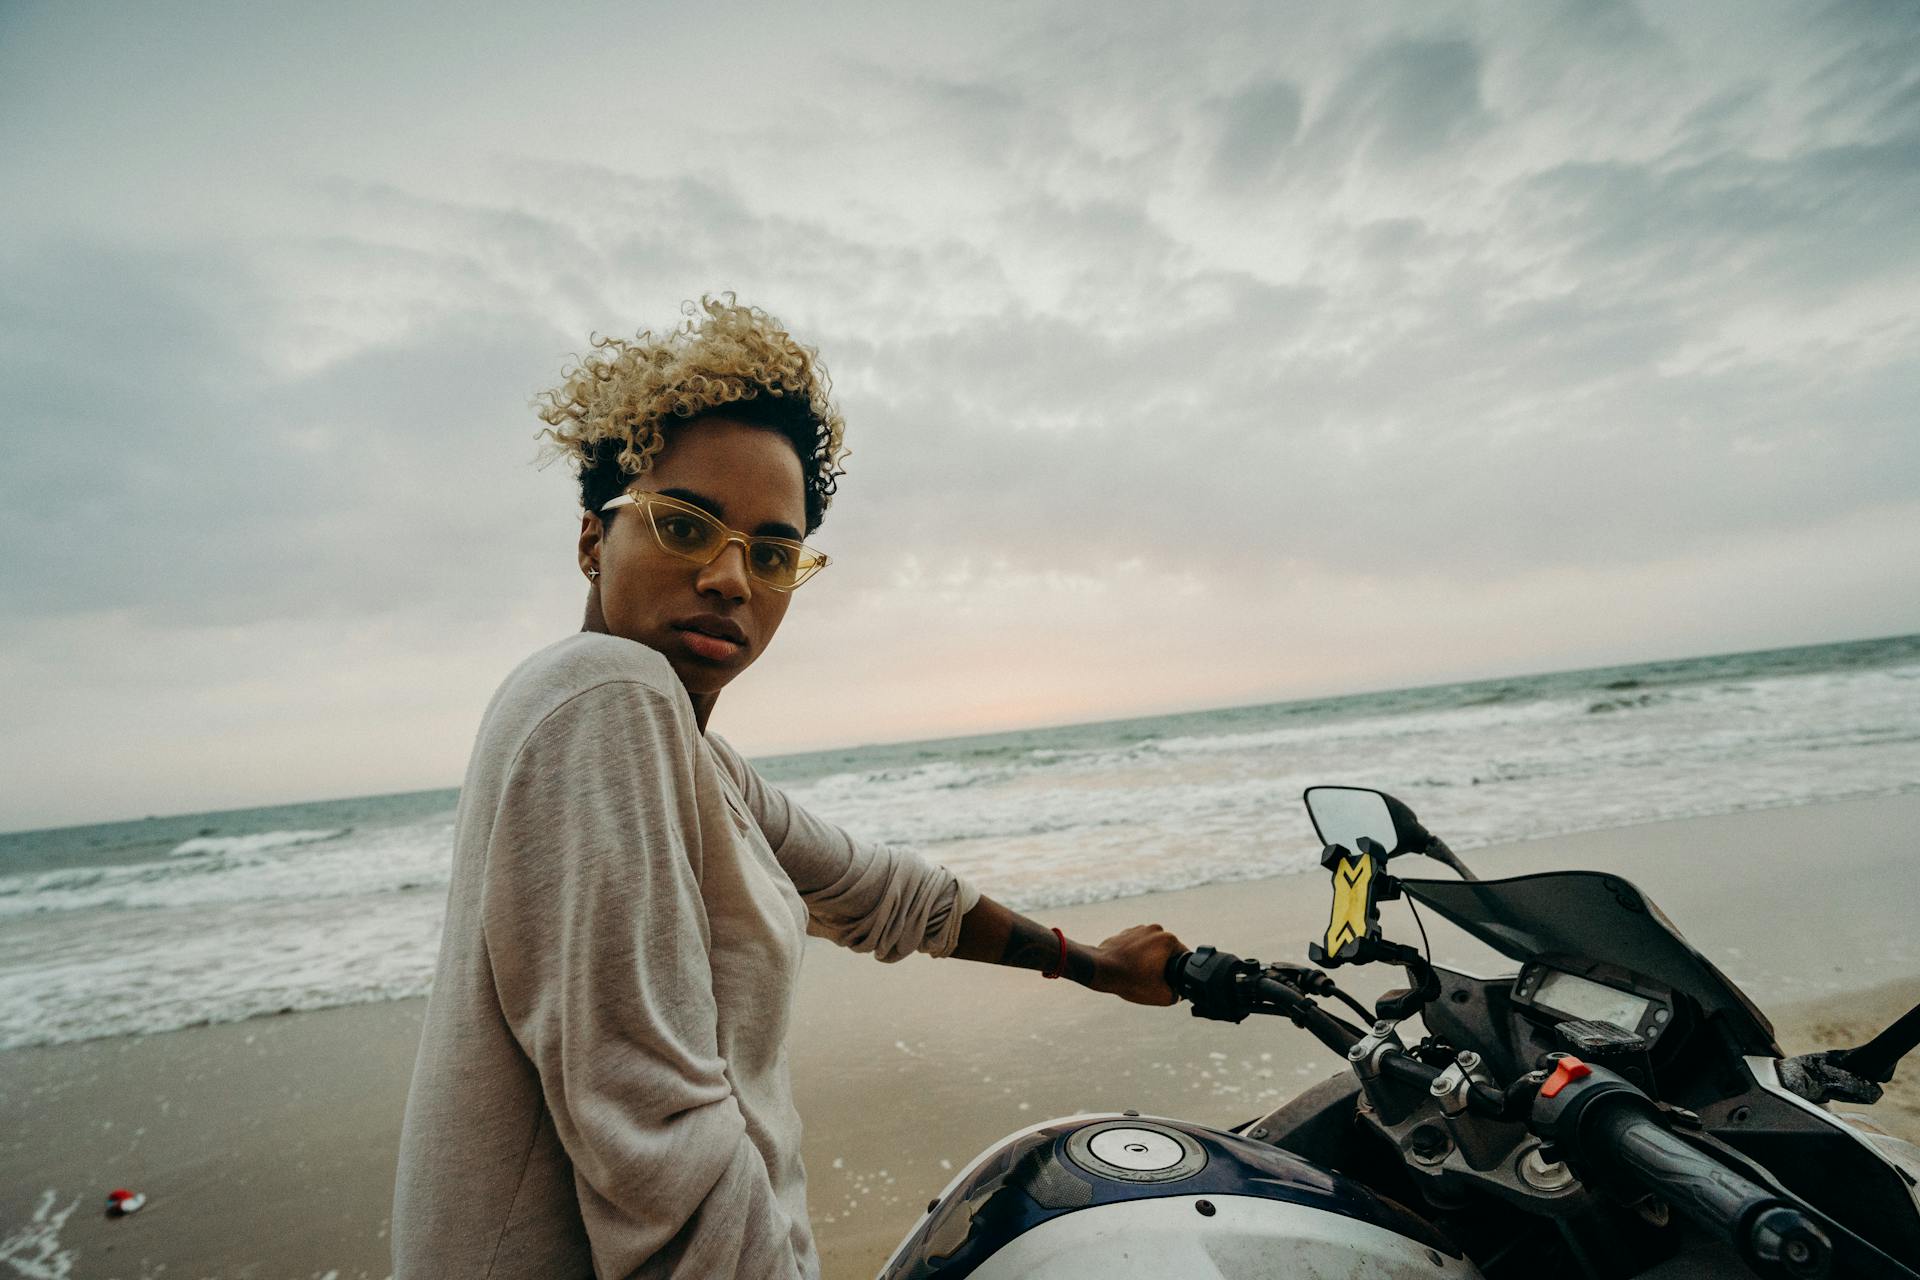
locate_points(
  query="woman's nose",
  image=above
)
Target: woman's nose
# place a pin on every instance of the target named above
(726, 574)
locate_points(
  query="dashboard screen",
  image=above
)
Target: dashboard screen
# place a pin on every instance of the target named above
(1564, 993)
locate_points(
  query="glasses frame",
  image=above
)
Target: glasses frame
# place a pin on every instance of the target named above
(811, 561)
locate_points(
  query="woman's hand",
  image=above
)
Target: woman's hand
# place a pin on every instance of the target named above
(1132, 964)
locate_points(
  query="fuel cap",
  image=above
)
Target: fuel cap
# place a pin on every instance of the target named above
(1133, 1151)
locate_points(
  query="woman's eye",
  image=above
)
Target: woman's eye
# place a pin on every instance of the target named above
(681, 528)
(771, 557)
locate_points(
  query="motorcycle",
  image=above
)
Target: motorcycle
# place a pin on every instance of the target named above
(1616, 1108)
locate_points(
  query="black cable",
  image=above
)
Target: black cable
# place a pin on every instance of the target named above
(1314, 982)
(1516, 1099)
(1365, 1013)
(1303, 1012)
(1425, 946)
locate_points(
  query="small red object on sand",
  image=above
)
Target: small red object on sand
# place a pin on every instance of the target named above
(121, 1202)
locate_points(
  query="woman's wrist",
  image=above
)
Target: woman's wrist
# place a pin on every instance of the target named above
(992, 933)
(1085, 966)
(1032, 945)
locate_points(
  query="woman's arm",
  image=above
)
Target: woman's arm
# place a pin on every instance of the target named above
(875, 898)
(891, 902)
(1132, 964)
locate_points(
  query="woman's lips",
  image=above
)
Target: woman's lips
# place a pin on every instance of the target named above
(712, 648)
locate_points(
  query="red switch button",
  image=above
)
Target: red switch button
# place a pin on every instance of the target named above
(1568, 1070)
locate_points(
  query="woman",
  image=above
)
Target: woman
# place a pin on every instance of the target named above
(602, 1087)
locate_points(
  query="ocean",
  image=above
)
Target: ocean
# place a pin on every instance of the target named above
(135, 927)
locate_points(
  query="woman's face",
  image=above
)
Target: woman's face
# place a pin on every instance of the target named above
(710, 621)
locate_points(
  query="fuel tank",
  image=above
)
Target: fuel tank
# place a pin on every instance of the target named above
(1094, 1197)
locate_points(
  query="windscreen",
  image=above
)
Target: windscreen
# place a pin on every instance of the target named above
(1595, 916)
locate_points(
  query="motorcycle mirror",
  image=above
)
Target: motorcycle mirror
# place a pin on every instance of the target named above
(1342, 815)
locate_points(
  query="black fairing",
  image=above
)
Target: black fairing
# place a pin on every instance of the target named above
(1032, 1179)
(1598, 917)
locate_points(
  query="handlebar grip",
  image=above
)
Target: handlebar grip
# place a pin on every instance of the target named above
(1176, 970)
(1774, 1237)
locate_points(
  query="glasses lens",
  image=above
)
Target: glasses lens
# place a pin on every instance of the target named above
(784, 564)
(684, 532)
(775, 563)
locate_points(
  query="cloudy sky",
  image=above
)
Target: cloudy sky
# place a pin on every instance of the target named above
(1192, 355)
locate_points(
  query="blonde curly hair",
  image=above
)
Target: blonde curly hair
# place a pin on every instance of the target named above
(611, 414)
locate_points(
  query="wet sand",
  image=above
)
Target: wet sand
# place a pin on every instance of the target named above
(267, 1147)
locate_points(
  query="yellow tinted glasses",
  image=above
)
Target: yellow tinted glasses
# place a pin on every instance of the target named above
(684, 530)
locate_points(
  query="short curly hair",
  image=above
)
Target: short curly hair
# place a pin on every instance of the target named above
(611, 414)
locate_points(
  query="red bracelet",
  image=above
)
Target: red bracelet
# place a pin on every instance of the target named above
(1060, 968)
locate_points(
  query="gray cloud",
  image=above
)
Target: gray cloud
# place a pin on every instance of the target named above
(177, 476)
(1405, 101)
(1258, 125)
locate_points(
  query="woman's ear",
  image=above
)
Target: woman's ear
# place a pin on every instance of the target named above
(592, 534)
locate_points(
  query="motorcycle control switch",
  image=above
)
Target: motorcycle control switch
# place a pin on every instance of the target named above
(1565, 1072)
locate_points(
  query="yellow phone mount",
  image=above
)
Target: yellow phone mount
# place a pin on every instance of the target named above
(1360, 885)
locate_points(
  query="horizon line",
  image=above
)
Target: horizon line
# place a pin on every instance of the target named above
(1045, 728)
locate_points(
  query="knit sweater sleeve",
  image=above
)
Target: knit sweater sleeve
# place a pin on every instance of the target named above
(597, 937)
(862, 895)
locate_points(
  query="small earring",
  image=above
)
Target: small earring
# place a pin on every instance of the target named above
(592, 574)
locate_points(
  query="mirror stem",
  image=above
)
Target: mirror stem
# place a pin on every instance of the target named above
(1876, 1059)
(1438, 850)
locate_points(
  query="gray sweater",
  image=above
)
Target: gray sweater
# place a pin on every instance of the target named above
(602, 1086)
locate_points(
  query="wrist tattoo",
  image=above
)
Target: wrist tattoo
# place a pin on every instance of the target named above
(1033, 946)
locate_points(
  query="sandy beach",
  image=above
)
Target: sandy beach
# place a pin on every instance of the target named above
(266, 1147)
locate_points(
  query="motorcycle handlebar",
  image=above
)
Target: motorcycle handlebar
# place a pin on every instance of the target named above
(1776, 1238)
(1224, 987)
(1624, 1137)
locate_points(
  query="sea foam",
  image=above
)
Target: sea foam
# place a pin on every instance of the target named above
(262, 842)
